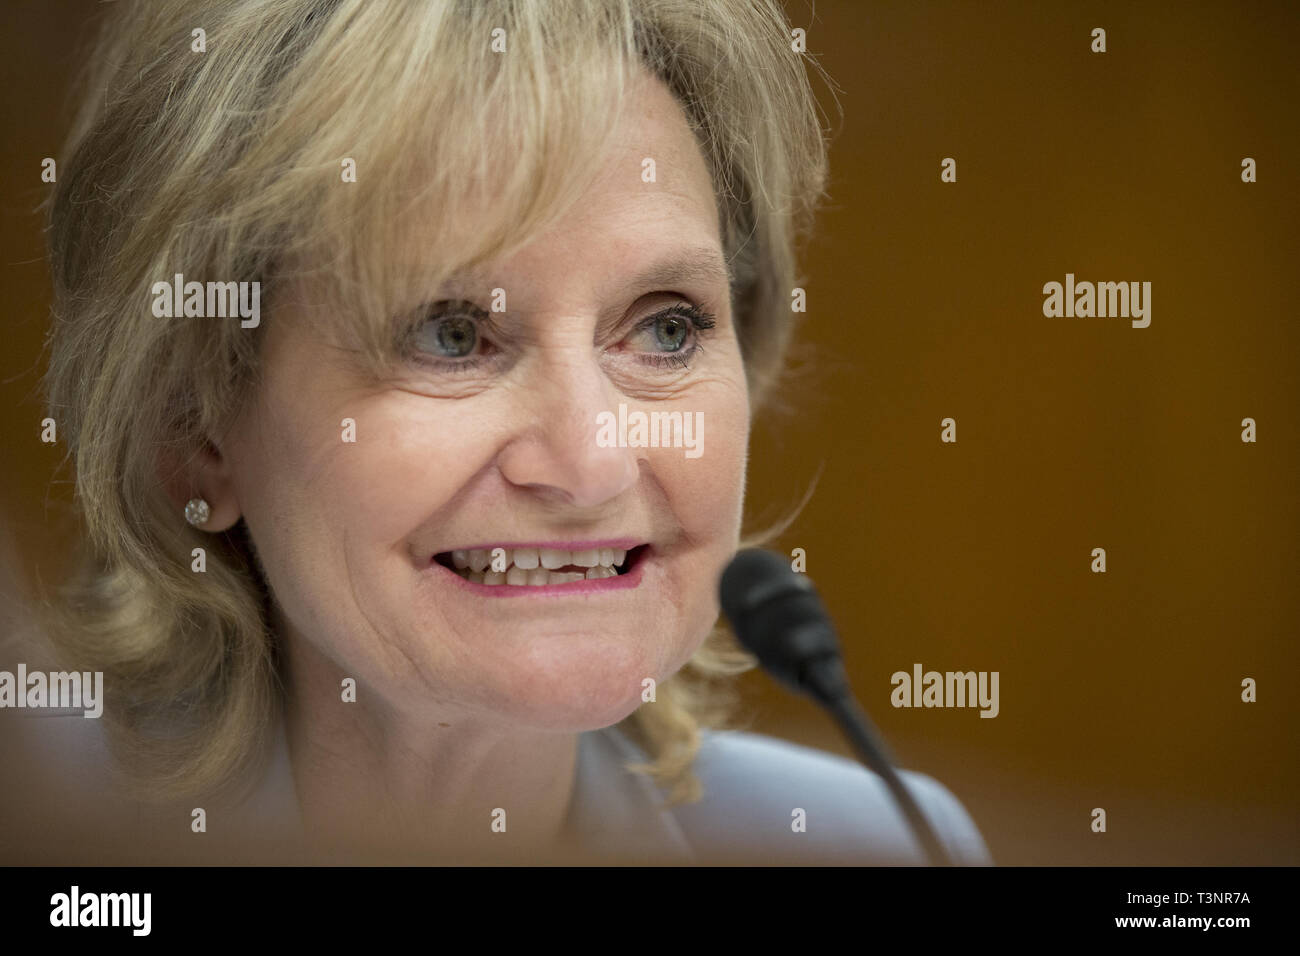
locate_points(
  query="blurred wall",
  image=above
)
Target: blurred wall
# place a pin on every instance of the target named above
(1119, 690)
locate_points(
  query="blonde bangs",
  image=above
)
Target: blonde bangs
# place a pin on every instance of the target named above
(463, 155)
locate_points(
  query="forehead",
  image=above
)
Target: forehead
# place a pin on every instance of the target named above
(649, 208)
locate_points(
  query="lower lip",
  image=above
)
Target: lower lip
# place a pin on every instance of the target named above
(620, 582)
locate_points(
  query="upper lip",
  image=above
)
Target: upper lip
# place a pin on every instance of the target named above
(624, 544)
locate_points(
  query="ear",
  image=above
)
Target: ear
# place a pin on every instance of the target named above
(206, 475)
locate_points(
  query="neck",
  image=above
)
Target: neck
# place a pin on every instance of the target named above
(429, 783)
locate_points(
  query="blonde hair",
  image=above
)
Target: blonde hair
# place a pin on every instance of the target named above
(226, 163)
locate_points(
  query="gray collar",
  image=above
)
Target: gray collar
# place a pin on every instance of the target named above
(617, 813)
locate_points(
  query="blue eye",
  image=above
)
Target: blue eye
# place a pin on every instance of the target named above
(674, 334)
(671, 331)
(455, 336)
(448, 336)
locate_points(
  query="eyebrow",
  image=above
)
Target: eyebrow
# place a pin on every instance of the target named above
(695, 264)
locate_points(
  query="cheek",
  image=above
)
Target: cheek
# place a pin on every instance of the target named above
(725, 454)
(326, 502)
(399, 471)
(706, 494)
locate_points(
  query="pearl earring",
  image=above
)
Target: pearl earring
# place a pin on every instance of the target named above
(197, 512)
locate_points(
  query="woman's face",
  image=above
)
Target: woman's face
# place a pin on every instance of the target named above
(491, 437)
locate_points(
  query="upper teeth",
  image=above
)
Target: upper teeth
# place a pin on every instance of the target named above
(527, 559)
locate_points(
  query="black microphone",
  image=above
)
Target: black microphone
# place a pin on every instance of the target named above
(778, 616)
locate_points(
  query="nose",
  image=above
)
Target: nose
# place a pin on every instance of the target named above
(555, 452)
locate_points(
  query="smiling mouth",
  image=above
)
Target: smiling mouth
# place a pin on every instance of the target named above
(539, 567)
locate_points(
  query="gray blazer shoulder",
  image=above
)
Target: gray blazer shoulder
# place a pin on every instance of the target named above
(753, 783)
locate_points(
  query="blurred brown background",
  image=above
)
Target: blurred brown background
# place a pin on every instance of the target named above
(1118, 690)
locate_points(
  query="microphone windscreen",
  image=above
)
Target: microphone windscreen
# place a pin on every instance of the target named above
(776, 614)
(753, 578)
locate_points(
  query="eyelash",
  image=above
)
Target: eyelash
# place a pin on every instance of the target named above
(701, 322)
(448, 310)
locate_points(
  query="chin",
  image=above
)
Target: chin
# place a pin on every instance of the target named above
(576, 683)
